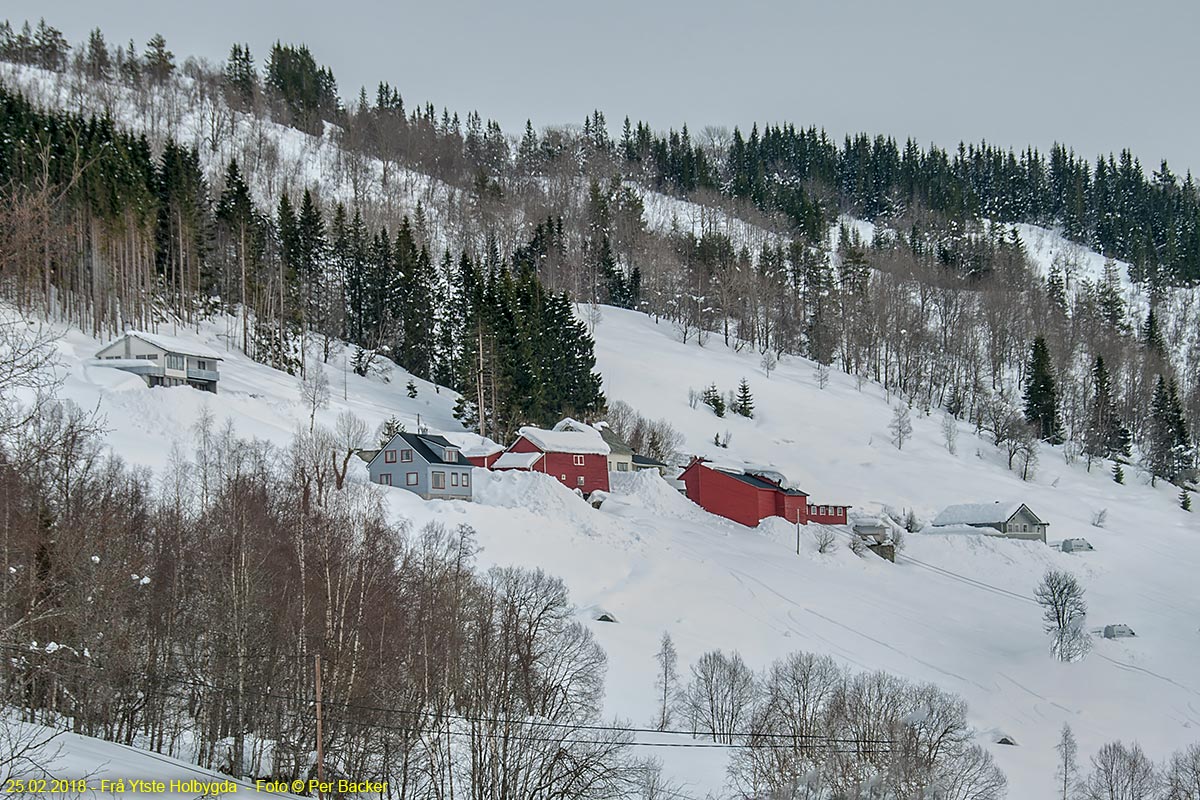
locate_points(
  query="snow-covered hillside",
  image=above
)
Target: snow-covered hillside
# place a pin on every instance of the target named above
(956, 611)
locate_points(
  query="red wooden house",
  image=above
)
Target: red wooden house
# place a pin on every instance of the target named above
(578, 459)
(749, 497)
(482, 455)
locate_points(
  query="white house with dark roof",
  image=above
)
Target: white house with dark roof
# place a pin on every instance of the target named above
(1013, 520)
(163, 360)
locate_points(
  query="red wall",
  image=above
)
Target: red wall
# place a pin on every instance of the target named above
(717, 493)
(484, 461)
(562, 466)
(834, 515)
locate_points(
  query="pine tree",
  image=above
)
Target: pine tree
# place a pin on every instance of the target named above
(744, 400)
(1108, 297)
(97, 60)
(160, 62)
(389, 429)
(1056, 288)
(1104, 436)
(1041, 394)
(1168, 446)
(713, 399)
(1152, 334)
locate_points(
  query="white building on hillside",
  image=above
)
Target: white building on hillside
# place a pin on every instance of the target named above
(163, 360)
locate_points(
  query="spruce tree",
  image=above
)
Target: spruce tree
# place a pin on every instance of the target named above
(1041, 394)
(1152, 334)
(712, 398)
(160, 62)
(1118, 472)
(1104, 436)
(745, 401)
(1168, 446)
(1185, 499)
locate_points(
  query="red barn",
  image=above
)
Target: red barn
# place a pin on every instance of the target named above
(579, 459)
(750, 497)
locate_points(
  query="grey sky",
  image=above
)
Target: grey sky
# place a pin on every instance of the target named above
(1096, 74)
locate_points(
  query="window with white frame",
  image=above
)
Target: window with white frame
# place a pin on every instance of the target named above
(454, 479)
(410, 479)
(386, 479)
(466, 479)
(439, 480)
(389, 456)
(579, 461)
(406, 456)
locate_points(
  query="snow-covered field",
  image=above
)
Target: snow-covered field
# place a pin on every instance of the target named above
(955, 610)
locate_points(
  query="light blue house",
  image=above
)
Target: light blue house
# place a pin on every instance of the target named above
(425, 464)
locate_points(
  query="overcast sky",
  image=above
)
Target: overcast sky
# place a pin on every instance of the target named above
(1098, 75)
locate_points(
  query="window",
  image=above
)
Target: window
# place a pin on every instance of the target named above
(201, 364)
(389, 456)
(579, 461)
(151, 357)
(579, 480)
(406, 456)
(386, 479)
(439, 480)
(466, 479)
(176, 361)
(410, 479)
(622, 466)
(454, 479)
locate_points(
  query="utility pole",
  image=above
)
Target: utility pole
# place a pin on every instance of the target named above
(797, 532)
(320, 735)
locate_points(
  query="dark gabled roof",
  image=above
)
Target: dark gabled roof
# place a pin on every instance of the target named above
(368, 455)
(648, 461)
(616, 443)
(760, 483)
(420, 443)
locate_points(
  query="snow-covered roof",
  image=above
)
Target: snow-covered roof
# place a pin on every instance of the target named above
(977, 513)
(472, 445)
(958, 529)
(512, 460)
(567, 441)
(172, 344)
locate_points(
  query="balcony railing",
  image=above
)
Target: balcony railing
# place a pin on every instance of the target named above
(202, 374)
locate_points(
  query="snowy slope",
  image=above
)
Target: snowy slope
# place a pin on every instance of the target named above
(955, 611)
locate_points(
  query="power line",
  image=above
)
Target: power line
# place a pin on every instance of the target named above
(816, 741)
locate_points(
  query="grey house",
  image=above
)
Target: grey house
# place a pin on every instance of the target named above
(163, 360)
(1013, 520)
(425, 464)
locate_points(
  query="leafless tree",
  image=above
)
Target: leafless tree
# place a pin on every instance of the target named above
(314, 389)
(1064, 613)
(1181, 777)
(667, 682)
(1121, 772)
(1067, 772)
(900, 426)
(950, 433)
(720, 696)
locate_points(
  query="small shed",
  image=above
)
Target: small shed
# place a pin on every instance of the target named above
(1118, 631)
